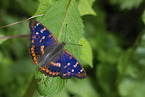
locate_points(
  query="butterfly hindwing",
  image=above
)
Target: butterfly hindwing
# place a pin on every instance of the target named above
(65, 65)
(41, 39)
(71, 67)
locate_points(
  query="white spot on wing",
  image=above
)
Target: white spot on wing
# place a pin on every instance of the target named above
(80, 71)
(37, 33)
(37, 24)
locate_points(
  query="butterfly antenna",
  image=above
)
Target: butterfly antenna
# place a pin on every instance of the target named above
(64, 19)
(65, 32)
(75, 44)
(65, 38)
(21, 21)
(15, 36)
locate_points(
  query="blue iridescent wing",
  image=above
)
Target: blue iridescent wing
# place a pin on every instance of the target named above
(65, 65)
(42, 41)
(71, 67)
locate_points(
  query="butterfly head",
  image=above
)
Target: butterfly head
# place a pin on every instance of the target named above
(63, 43)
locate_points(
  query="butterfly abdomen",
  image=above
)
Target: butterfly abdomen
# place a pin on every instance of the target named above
(54, 52)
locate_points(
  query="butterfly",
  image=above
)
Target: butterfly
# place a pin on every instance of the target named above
(50, 55)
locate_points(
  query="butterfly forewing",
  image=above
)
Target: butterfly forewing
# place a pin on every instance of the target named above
(41, 38)
(40, 35)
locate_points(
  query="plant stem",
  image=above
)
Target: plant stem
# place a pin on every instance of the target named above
(15, 36)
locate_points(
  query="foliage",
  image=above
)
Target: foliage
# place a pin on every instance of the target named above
(86, 52)
(113, 53)
(88, 7)
(127, 4)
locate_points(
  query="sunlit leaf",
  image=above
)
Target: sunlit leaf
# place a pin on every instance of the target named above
(43, 6)
(86, 52)
(131, 88)
(2, 40)
(106, 75)
(132, 82)
(63, 93)
(127, 4)
(124, 61)
(85, 7)
(83, 88)
(143, 16)
(50, 86)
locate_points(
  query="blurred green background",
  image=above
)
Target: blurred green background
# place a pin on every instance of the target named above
(117, 38)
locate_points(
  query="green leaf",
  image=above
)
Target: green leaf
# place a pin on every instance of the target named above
(131, 84)
(85, 7)
(132, 88)
(53, 20)
(82, 88)
(63, 93)
(143, 16)
(106, 76)
(140, 51)
(49, 86)
(27, 5)
(127, 4)
(124, 61)
(43, 6)
(86, 52)
(125, 87)
(108, 49)
(2, 40)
